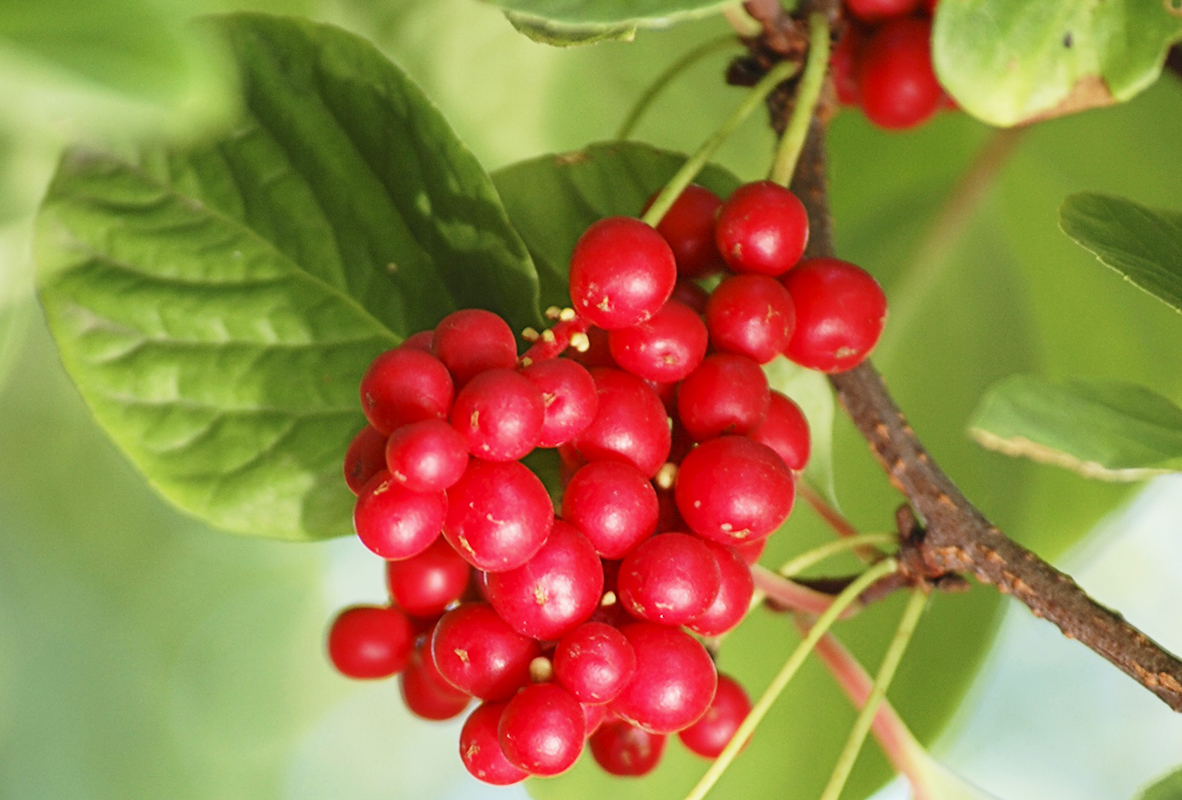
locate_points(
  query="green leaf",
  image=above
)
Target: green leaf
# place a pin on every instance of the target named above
(558, 35)
(1110, 430)
(1168, 788)
(217, 306)
(1012, 61)
(1142, 244)
(571, 22)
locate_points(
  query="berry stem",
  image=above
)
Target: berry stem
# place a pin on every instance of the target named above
(805, 560)
(690, 169)
(787, 594)
(792, 142)
(671, 72)
(899, 745)
(848, 596)
(835, 520)
(886, 672)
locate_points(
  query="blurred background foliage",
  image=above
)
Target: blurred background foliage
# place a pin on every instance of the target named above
(144, 655)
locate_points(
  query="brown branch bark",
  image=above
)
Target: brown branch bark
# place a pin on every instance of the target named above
(956, 537)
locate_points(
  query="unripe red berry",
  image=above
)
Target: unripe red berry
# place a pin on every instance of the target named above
(370, 641)
(480, 747)
(840, 313)
(568, 397)
(425, 585)
(478, 653)
(393, 521)
(762, 227)
(674, 680)
(710, 735)
(733, 489)
(499, 515)
(405, 385)
(499, 413)
(594, 662)
(621, 272)
(625, 750)
(751, 315)
(542, 730)
(427, 456)
(688, 227)
(670, 579)
(728, 393)
(630, 425)
(471, 341)
(785, 430)
(365, 458)
(895, 77)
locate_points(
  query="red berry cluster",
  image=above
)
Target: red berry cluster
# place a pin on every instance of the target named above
(883, 62)
(678, 463)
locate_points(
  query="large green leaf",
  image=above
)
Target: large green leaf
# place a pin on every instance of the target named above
(217, 306)
(571, 22)
(1168, 788)
(1011, 61)
(1142, 244)
(1111, 430)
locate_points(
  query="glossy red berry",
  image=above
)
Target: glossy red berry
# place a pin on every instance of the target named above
(688, 227)
(621, 272)
(665, 348)
(425, 585)
(395, 522)
(630, 425)
(751, 315)
(499, 413)
(736, 587)
(733, 489)
(594, 662)
(405, 385)
(365, 458)
(613, 504)
(499, 515)
(895, 77)
(426, 694)
(595, 715)
(427, 456)
(480, 747)
(370, 641)
(762, 227)
(880, 10)
(785, 430)
(840, 313)
(472, 341)
(750, 550)
(710, 735)
(569, 399)
(843, 65)
(728, 393)
(542, 730)
(553, 592)
(625, 750)
(478, 653)
(670, 578)
(690, 294)
(674, 680)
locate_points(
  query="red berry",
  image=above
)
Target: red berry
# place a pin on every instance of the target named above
(710, 735)
(472, 341)
(478, 653)
(664, 348)
(625, 750)
(690, 294)
(762, 228)
(880, 10)
(419, 341)
(395, 522)
(843, 65)
(674, 680)
(750, 550)
(542, 730)
(365, 458)
(499, 515)
(594, 662)
(727, 394)
(732, 489)
(425, 585)
(426, 694)
(840, 312)
(735, 590)
(895, 77)
(613, 504)
(568, 398)
(499, 413)
(688, 227)
(630, 426)
(596, 715)
(751, 315)
(621, 272)
(554, 591)
(370, 641)
(598, 354)
(427, 456)
(785, 430)
(480, 747)
(670, 578)
(405, 385)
